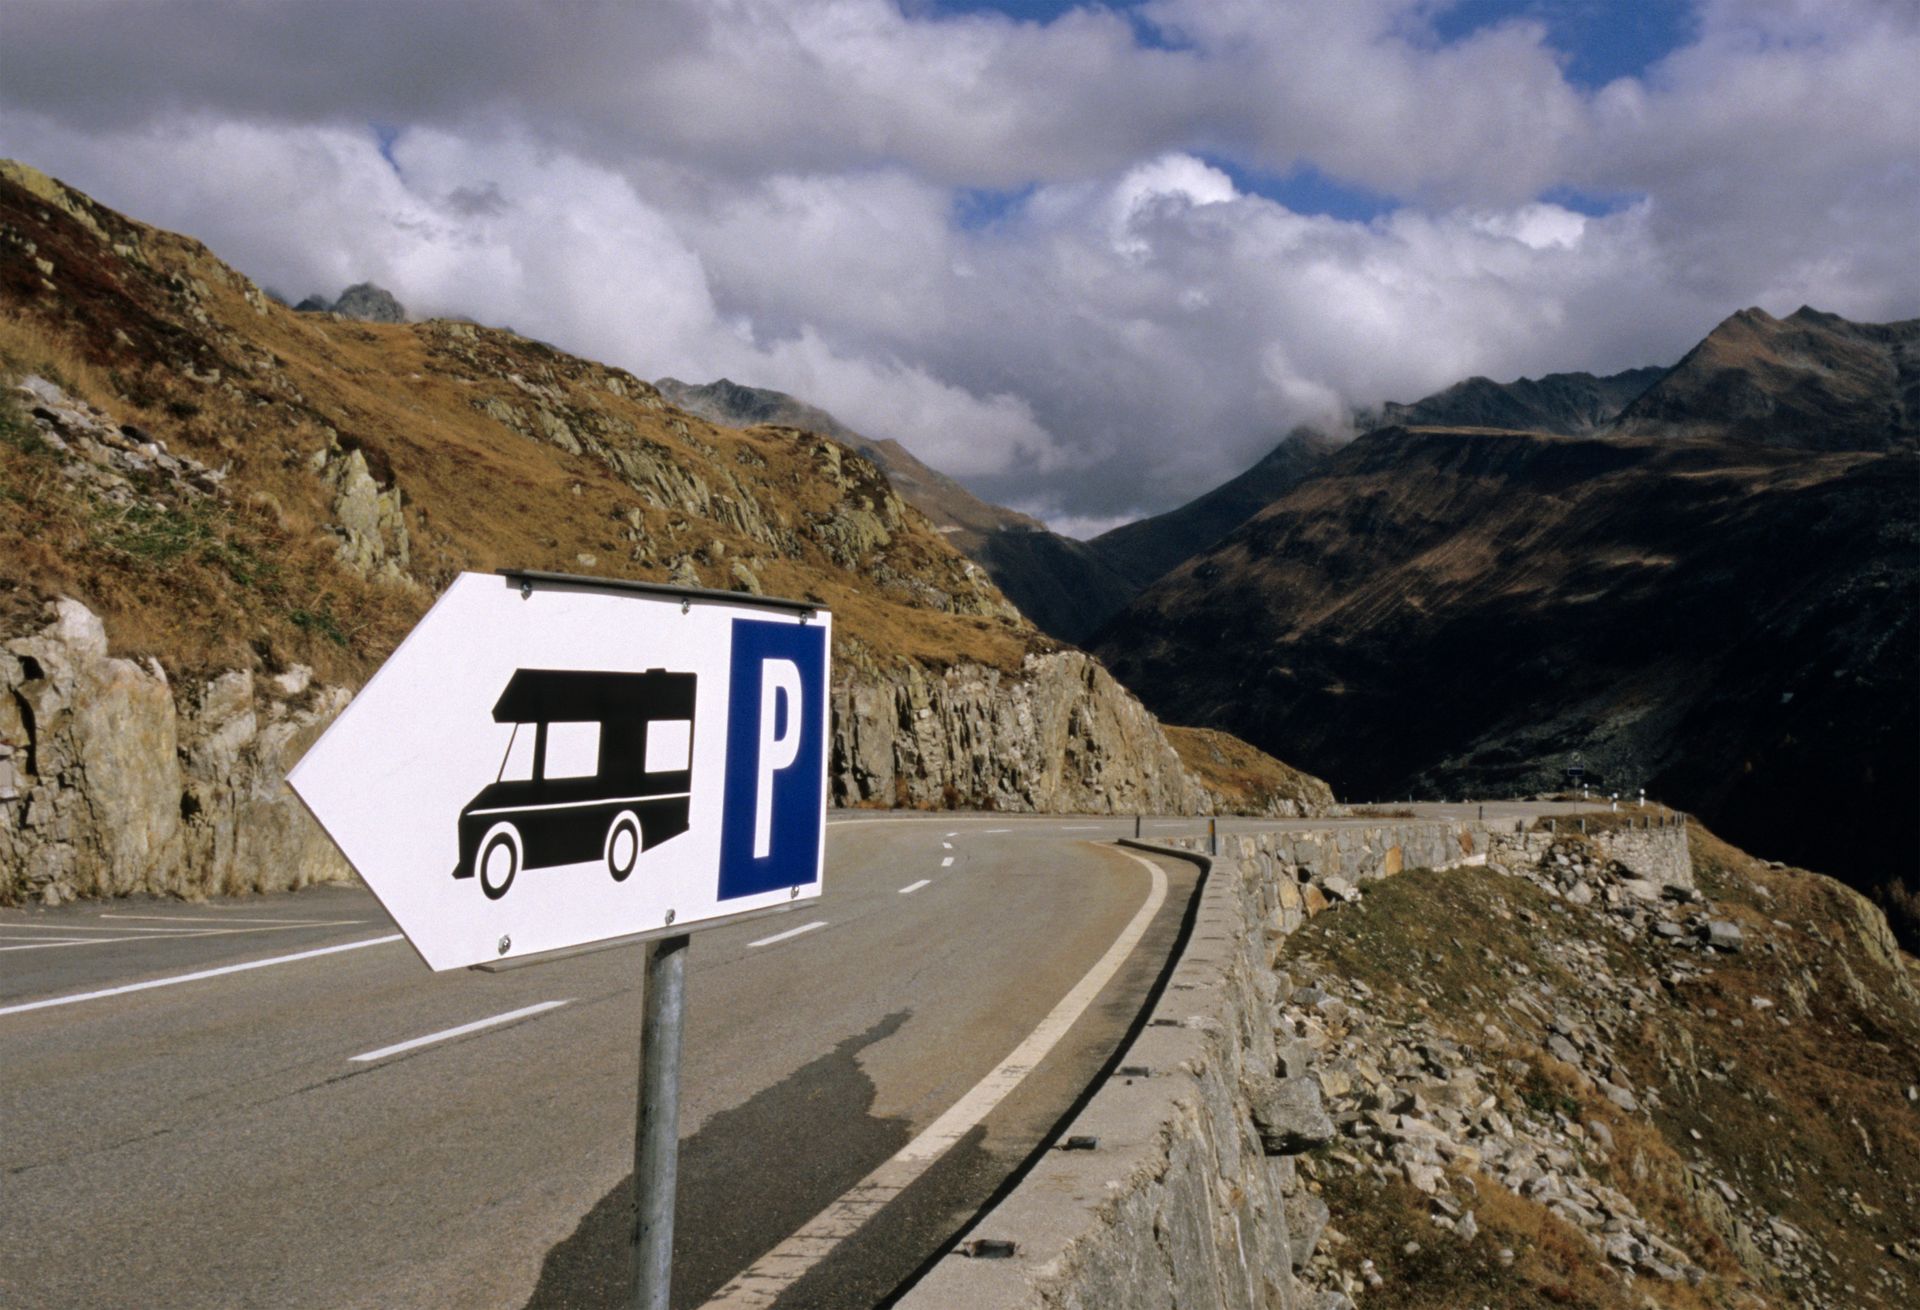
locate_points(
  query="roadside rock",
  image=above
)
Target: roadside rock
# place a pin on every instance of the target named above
(121, 782)
(1288, 1115)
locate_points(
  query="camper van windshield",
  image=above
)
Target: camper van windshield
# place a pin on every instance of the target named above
(518, 764)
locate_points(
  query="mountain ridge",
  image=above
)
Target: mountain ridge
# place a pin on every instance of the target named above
(1730, 625)
(1064, 586)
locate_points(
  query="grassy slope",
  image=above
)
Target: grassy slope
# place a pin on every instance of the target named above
(1803, 1106)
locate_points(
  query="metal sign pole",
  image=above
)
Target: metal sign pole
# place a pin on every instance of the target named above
(656, 1138)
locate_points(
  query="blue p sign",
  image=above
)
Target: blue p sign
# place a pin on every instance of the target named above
(776, 758)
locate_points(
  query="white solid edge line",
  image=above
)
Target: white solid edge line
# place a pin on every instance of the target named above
(913, 887)
(791, 932)
(217, 919)
(93, 927)
(773, 1273)
(465, 1028)
(178, 978)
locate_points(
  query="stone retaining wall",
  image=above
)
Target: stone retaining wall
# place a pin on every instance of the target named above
(1188, 1198)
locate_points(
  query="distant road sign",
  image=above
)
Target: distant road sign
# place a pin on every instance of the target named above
(544, 764)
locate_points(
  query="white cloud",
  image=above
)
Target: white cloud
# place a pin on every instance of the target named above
(775, 190)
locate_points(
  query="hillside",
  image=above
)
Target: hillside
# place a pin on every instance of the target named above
(1064, 586)
(1731, 627)
(1144, 550)
(1548, 1090)
(241, 509)
(1812, 381)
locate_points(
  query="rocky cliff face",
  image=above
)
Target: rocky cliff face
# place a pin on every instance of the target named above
(1059, 735)
(115, 780)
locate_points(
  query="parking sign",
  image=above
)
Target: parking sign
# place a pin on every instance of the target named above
(547, 762)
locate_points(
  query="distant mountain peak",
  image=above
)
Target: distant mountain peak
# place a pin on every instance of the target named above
(363, 300)
(1812, 380)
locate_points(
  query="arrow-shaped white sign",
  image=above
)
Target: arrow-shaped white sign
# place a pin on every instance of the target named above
(545, 763)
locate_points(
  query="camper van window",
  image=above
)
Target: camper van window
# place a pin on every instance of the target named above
(517, 766)
(573, 750)
(669, 745)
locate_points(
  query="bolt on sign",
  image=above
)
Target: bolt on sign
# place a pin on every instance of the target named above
(549, 761)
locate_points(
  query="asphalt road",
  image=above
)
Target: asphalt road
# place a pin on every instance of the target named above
(245, 1139)
(307, 1133)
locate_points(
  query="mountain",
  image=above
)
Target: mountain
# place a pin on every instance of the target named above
(1730, 625)
(1064, 586)
(221, 515)
(1569, 403)
(1811, 380)
(1143, 550)
(954, 510)
(363, 301)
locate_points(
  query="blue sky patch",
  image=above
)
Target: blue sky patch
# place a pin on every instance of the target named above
(1307, 190)
(1601, 40)
(386, 134)
(1592, 204)
(976, 208)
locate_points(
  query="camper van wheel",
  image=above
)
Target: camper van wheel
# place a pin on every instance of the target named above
(623, 845)
(498, 860)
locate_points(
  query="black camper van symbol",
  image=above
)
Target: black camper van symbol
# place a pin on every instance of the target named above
(600, 767)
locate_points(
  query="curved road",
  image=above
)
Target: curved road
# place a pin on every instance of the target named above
(305, 1133)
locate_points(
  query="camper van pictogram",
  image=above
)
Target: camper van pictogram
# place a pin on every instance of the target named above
(600, 767)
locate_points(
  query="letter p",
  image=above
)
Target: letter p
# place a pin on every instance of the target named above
(779, 743)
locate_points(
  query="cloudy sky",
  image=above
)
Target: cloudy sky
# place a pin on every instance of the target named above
(1090, 258)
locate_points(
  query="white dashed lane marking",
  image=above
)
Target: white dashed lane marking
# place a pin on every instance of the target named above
(913, 887)
(791, 932)
(447, 1034)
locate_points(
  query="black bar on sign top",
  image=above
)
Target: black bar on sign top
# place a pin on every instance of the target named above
(529, 576)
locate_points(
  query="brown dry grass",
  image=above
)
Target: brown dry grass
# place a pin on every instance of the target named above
(1552, 1264)
(1247, 777)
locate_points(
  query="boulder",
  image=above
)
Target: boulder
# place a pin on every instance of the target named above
(1288, 1114)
